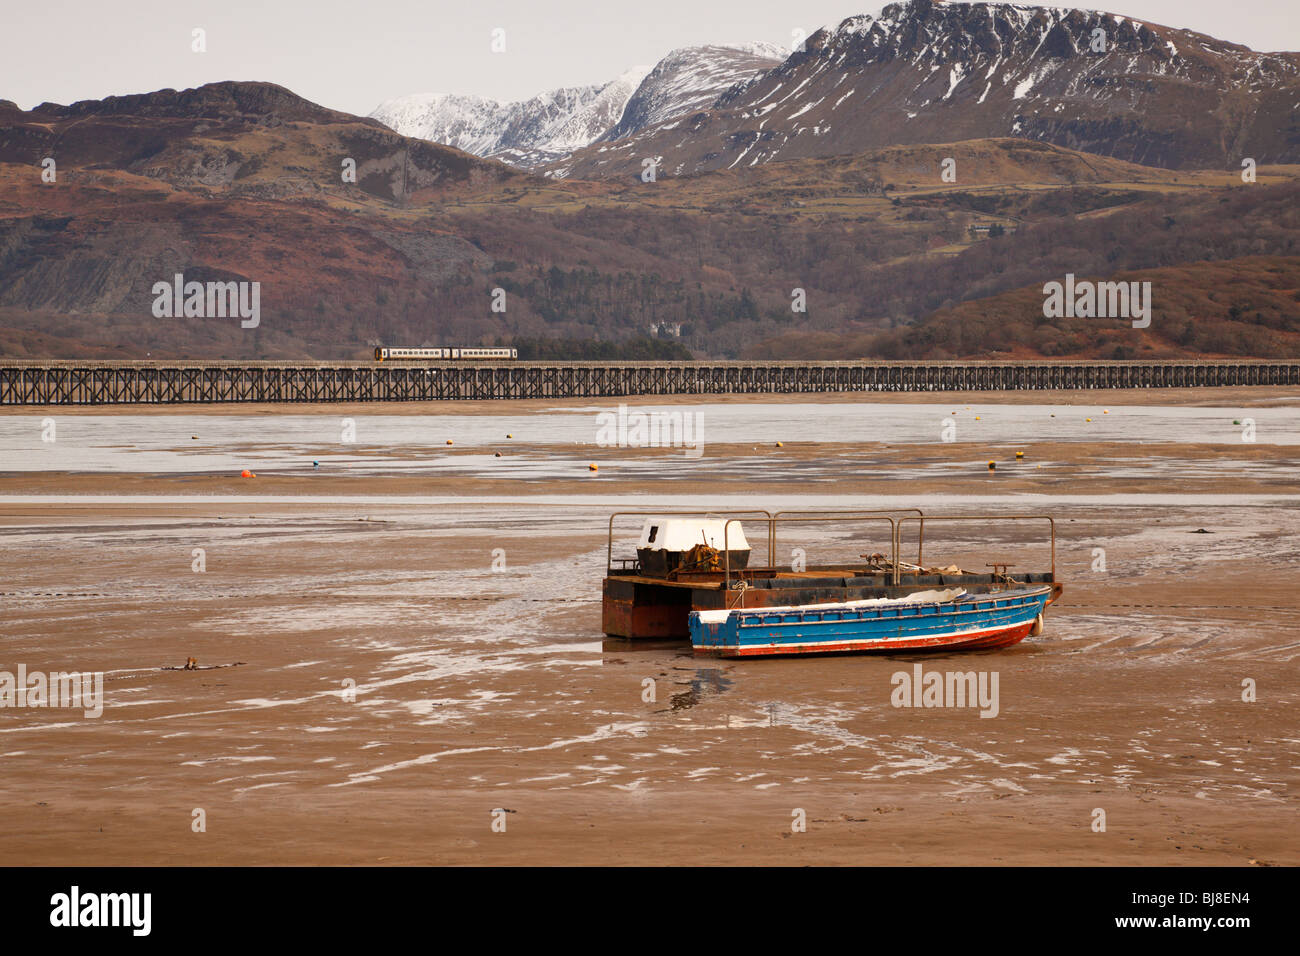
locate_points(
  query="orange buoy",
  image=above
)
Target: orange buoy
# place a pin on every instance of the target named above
(449, 441)
(993, 466)
(592, 467)
(247, 474)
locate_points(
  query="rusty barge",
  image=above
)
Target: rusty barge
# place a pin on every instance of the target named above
(695, 561)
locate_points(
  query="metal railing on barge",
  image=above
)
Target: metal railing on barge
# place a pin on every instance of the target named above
(767, 516)
(895, 565)
(898, 519)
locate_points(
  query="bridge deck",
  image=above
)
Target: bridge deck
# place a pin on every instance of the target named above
(181, 382)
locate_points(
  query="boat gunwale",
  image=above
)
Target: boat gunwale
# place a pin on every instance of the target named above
(980, 601)
(989, 634)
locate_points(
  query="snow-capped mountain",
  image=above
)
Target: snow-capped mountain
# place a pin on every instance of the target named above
(691, 79)
(550, 126)
(928, 72)
(527, 133)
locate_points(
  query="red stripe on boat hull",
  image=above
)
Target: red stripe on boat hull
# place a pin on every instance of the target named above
(980, 640)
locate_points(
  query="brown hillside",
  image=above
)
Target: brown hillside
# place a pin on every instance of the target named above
(1233, 308)
(243, 184)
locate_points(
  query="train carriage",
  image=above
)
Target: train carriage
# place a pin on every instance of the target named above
(445, 354)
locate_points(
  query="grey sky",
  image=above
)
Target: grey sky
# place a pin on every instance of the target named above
(352, 55)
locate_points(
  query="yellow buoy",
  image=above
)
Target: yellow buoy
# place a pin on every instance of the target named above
(993, 466)
(1087, 419)
(779, 445)
(977, 418)
(450, 442)
(510, 436)
(592, 467)
(1020, 454)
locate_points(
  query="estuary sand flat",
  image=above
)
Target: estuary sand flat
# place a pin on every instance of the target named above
(463, 608)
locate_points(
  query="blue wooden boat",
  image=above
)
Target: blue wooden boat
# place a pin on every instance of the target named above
(926, 620)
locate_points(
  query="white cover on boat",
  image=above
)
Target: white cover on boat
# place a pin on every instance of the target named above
(920, 597)
(682, 534)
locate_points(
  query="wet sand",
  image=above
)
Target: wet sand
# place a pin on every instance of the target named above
(525, 472)
(1255, 396)
(481, 689)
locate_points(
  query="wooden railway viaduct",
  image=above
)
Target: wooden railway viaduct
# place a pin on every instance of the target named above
(183, 382)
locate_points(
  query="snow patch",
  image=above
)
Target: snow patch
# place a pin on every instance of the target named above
(955, 76)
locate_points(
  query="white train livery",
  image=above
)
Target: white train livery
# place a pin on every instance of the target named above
(424, 355)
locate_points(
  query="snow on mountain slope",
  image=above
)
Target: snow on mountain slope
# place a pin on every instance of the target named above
(471, 123)
(690, 79)
(550, 126)
(929, 72)
(527, 133)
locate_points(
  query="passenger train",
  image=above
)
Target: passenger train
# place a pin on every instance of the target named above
(422, 355)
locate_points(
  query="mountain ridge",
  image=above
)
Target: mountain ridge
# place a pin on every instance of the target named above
(416, 248)
(525, 133)
(545, 129)
(241, 181)
(928, 72)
